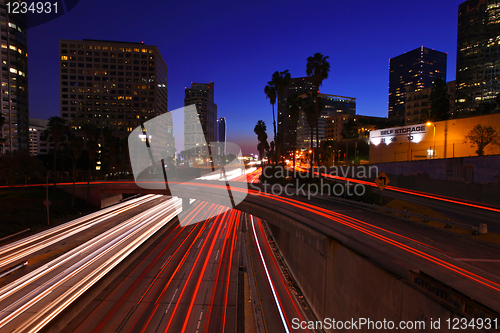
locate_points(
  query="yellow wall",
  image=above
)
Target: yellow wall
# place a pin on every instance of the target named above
(452, 132)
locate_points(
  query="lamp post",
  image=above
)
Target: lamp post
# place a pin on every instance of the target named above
(409, 146)
(433, 139)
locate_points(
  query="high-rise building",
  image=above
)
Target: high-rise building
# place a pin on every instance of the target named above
(418, 69)
(334, 125)
(15, 111)
(221, 135)
(285, 129)
(478, 57)
(202, 96)
(417, 104)
(37, 145)
(118, 85)
(333, 105)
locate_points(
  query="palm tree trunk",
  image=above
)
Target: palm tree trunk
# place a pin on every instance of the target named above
(275, 143)
(346, 148)
(55, 165)
(73, 194)
(317, 144)
(311, 171)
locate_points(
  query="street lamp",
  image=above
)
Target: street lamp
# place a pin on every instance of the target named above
(433, 139)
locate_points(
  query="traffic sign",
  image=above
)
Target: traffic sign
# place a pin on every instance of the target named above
(382, 180)
(47, 202)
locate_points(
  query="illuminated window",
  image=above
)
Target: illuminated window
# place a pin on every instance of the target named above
(64, 57)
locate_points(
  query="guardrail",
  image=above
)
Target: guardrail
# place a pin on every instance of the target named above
(17, 233)
(481, 228)
(10, 270)
(453, 298)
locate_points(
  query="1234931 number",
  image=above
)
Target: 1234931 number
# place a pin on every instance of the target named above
(34, 7)
(471, 324)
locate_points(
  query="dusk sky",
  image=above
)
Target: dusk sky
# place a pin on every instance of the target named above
(239, 44)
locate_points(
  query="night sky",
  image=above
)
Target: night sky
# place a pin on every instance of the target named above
(239, 44)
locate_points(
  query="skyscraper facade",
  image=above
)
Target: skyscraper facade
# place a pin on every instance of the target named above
(478, 57)
(416, 69)
(15, 130)
(285, 129)
(118, 85)
(333, 105)
(202, 96)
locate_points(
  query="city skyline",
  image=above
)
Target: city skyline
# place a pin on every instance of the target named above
(240, 47)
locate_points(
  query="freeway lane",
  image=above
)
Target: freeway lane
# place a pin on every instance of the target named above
(27, 248)
(469, 266)
(279, 306)
(468, 212)
(188, 279)
(30, 302)
(188, 282)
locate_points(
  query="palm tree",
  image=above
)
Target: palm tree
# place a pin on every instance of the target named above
(56, 127)
(317, 68)
(260, 129)
(280, 80)
(293, 108)
(311, 104)
(271, 93)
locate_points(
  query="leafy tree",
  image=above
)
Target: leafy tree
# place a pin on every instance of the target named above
(484, 108)
(349, 130)
(328, 152)
(481, 136)
(16, 166)
(56, 127)
(439, 101)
